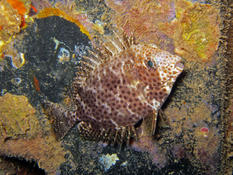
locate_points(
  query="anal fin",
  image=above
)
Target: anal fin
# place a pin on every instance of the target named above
(111, 136)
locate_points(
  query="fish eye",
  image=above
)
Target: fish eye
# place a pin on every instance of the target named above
(150, 64)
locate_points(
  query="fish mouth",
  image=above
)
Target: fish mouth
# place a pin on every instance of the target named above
(179, 65)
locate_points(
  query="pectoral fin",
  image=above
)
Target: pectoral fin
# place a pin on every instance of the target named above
(148, 125)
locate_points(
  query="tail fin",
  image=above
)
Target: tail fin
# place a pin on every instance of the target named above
(62, 119)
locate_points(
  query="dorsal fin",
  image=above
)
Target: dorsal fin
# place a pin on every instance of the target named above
(109, 47)
(118, 42)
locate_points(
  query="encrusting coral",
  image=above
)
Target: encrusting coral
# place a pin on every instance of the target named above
(22, 135)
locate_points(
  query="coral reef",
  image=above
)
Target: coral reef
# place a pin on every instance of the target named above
(38, 61)
(17, 118)
(195, 30)
(27, 134)
(194, 130)
(156, 153)
(10, 21)
(15, 166)
(69, 11)
(228, 161)
(198, 133)
(57, 12)
(191, 29)
(9, 24)
(24, 136)
(13, 18)
(141, 19)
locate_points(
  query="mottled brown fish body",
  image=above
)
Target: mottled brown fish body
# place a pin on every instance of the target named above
(128, 86)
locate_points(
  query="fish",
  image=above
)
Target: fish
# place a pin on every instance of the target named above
(120, 83)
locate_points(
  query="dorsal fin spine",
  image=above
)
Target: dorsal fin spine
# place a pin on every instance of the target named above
(93, 61)
(120, 40)
(117, 47)
(86, 64)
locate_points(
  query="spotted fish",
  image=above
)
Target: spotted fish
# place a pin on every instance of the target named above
(119, 84)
